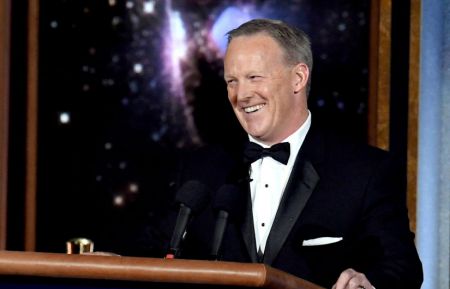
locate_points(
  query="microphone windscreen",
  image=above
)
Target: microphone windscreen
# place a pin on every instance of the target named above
(193, 194)
(229, 198)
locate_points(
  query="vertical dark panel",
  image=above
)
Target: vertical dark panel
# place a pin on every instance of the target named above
(399, 76)
(399, 80)
(17, 128)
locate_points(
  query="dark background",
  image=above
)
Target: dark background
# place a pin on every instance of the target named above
(105, 170)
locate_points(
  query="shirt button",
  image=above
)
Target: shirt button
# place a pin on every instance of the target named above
(266, 185)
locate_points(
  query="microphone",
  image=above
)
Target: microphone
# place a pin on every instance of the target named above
(192, 197)
(227, 203)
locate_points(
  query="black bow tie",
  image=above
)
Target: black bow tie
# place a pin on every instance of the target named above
(279, 152)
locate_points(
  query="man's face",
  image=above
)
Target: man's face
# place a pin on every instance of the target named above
(267, 95)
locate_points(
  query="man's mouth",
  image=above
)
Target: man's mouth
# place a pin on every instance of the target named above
(254, 108)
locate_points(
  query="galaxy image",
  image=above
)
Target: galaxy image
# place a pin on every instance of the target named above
(125, 86)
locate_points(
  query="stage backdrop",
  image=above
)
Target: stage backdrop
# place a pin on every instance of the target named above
(125, 86)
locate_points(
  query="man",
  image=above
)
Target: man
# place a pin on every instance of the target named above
(331, 212)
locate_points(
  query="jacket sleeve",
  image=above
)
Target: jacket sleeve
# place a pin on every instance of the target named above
(385, 219)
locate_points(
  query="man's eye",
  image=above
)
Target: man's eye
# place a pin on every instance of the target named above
(254, 77)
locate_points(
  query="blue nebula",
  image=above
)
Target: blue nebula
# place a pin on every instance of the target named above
(229, 19)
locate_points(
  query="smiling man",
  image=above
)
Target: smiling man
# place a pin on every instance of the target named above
(267, 70)
(314, 204)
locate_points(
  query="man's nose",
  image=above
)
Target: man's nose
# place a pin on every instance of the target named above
(243, 91)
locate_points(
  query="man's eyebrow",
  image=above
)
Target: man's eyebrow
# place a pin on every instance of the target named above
(227, 76)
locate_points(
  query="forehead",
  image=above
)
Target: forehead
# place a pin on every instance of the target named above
(256, 47)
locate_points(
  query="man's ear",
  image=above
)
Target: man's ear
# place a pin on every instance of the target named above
(301, 76)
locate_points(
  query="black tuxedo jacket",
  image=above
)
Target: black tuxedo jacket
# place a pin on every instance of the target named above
(336, 189)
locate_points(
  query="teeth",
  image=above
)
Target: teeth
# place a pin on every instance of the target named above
(253, 108)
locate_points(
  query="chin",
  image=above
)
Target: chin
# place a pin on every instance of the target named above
(257, 136)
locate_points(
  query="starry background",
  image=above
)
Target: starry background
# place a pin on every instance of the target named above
(127, 86)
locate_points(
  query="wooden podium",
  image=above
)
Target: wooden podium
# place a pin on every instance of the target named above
(151, 270)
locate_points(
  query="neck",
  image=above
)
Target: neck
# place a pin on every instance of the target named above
(282, 137)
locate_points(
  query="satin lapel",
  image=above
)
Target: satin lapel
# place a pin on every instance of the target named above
(300, 186)
(247, 229)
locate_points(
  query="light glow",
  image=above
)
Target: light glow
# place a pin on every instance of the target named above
(149, 7)
(64, 117)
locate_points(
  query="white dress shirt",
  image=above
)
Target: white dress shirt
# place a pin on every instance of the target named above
(269, 179)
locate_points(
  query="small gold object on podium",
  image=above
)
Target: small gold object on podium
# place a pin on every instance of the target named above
(79, 246)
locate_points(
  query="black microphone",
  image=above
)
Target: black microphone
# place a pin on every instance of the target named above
(192, 197)
(227, 203)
